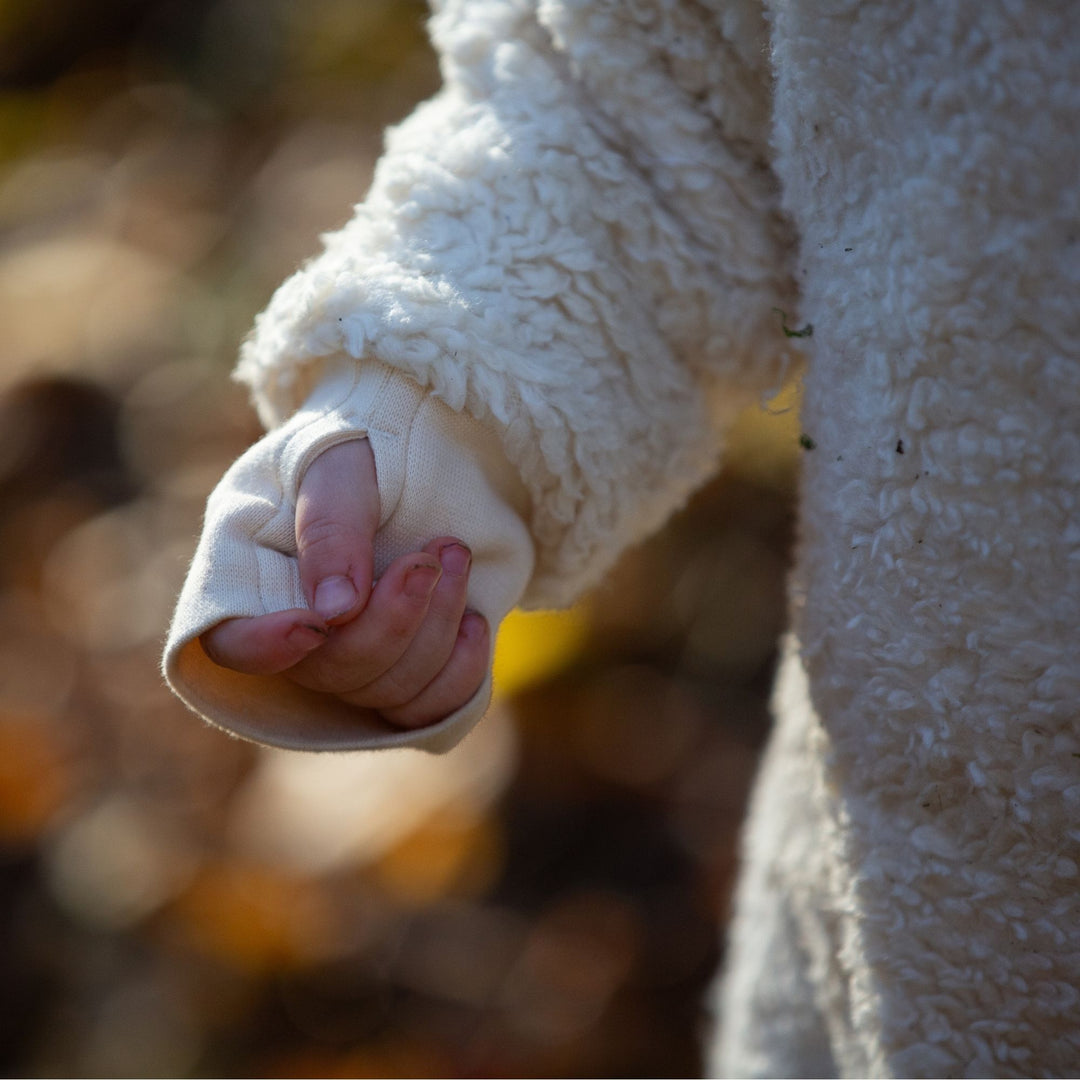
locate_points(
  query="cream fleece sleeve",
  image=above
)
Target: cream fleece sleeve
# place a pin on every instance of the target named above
(576, 251)
(577, 242)
(439, 472)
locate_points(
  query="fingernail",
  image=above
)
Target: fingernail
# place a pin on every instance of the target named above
(421, 580)
(306, 637)
(472, 624)
(455, 559)
(334, 596)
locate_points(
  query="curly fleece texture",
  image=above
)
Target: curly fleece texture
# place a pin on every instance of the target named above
(580, 241)
(925, 840)
(572, 262)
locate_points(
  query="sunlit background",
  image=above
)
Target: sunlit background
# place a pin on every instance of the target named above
(542, 902)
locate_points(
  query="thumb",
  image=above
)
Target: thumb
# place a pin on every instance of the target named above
(337, 514)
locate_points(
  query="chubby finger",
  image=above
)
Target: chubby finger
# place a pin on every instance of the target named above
(359, 651)
(337, 513)
(435, 638)
(458, 681)
(265, 644)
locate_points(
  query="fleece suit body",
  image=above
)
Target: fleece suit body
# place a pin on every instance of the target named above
(561, 289)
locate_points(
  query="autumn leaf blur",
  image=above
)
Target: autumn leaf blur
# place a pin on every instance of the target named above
(544, 901)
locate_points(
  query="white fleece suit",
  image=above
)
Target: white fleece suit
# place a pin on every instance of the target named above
(560, 290)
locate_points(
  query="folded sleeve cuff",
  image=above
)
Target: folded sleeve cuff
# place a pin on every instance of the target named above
(439, 472)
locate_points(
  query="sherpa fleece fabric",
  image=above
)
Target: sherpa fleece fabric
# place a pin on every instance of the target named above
(578, 245)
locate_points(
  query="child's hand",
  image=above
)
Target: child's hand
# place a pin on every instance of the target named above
(406, 648)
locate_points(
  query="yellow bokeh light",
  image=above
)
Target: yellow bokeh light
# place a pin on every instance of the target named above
(533, 645)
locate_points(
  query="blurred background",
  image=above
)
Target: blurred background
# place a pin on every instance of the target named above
(545, 901)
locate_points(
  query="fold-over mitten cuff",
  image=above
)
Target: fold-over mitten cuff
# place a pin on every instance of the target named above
(439, 473)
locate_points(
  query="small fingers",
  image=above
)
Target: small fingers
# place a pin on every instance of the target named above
(435, 638)
(360, 651)
(265, 644)
(458, 681)
(413, 653)
(289, 642)
(337, 513)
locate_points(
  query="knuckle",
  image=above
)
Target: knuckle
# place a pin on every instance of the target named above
(439, 700)
(320, 534)
(394, 691)
(389, 691)
(418, 713)
(326, 675)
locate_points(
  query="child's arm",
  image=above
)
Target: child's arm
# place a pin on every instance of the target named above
(576, 249)
(579, 243)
